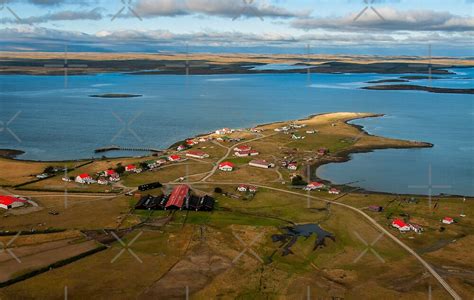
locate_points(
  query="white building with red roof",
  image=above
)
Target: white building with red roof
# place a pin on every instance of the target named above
(174, 157)
(400, 225)
(334, 191)
(242, 148)
(84, 178)
(292, 166)
(226, 166)
(197, 154)
(448, 220)
(130, 168)
(242, 188)
(314, 186)
(9, 202)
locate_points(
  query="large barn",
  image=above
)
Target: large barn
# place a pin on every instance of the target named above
(8, 202)
(178, 197)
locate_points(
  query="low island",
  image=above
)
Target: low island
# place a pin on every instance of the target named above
(115, 96)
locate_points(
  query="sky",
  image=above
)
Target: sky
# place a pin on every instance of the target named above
(372, 27)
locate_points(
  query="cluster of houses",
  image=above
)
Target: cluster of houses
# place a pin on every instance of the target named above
(403, 226)
(318, 186)
(289, 127)
(244, 150)
(180, 198)
(247, 188)
(9, 202)
(290, 165)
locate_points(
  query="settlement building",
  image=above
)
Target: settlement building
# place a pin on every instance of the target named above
(447, 220)
(246, 153)
(334, 191)
(8, 202)
(226, 166)
(400, 225)
(174, 157)
(314, 186)
(84, 178)
(197, 154)
(260, 163)
(178, 197)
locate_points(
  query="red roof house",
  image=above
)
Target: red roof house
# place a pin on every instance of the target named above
(130, 168)
(110, 172)
(400, 224)
(174, 157)
(226, 166)
(177, 197)
(8, 202)
(242, 148)
(448, 220)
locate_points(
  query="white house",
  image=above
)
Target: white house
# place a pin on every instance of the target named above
(292, 166)
(334, 191)
(226, 166)
(314, 186)
(400, 225)
(242, 188)
(84, 178)
(447, 220)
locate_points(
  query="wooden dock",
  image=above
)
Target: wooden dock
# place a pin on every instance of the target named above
(119, 148)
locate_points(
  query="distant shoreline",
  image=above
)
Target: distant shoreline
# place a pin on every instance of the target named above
(409, 87)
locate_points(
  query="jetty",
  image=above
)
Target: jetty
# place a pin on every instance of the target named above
(119, 148)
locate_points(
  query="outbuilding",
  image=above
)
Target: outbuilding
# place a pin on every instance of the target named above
(260, 163)
(9, 202)
(197, 154)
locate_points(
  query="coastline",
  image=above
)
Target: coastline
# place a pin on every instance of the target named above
(336, 157)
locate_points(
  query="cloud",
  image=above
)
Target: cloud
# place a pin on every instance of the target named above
(67, 15)
(390, 20)
(153, 40)
(221, 8)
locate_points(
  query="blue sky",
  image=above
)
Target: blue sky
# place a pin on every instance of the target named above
(385, 27)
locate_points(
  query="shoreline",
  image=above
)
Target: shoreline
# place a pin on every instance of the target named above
(339, 157)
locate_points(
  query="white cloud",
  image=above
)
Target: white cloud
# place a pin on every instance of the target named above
(392, 20)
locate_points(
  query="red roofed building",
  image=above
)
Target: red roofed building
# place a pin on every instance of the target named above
(174, 157)
(401, 225)
(83, 178)
(178, 196)
(110, 173)
(447, 220)
(130, 168)
(314, 186)
(242, 148)
(8, 202)
(334, 191)
(226, 166)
